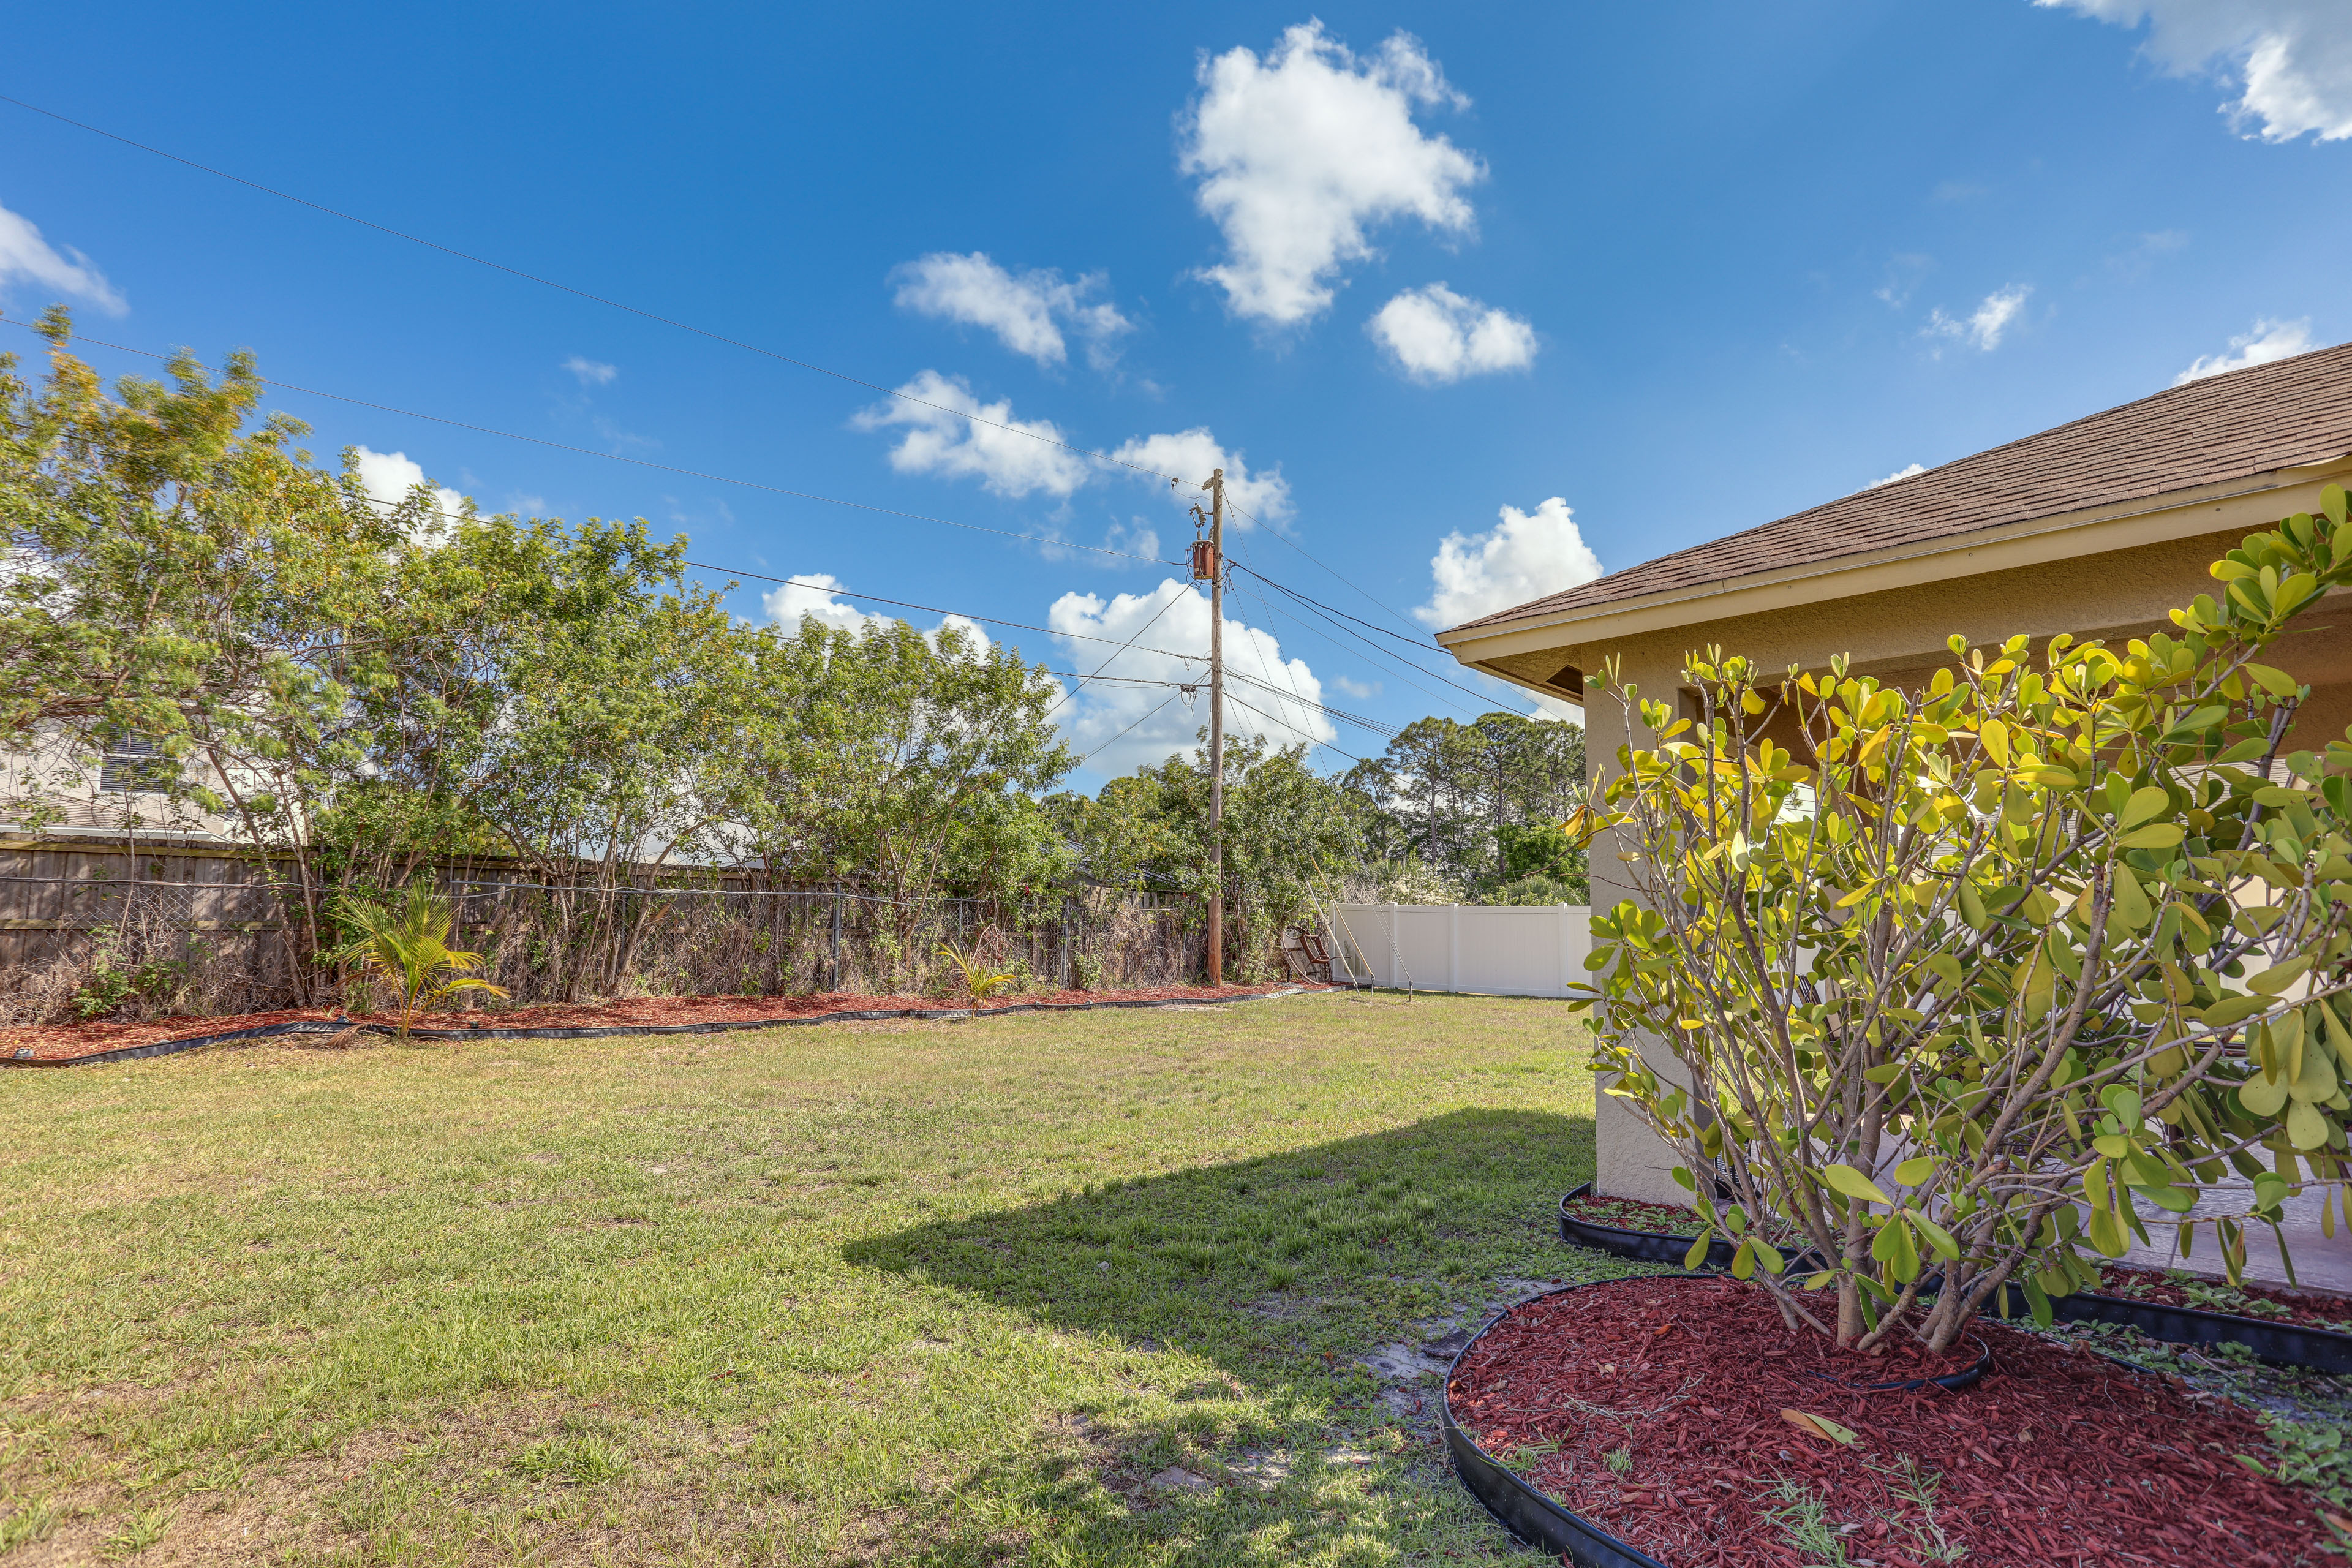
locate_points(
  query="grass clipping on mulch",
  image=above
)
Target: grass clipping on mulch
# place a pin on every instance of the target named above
(1680, 1416)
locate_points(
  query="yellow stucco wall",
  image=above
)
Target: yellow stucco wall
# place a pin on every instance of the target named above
(1900, 633)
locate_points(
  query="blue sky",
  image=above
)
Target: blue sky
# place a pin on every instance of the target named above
(1645, 274)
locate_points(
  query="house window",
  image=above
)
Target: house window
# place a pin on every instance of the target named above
(132, 765)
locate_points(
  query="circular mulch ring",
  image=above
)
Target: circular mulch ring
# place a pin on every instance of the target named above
(1654, 1407)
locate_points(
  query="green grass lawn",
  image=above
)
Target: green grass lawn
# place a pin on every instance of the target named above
(944, 1293)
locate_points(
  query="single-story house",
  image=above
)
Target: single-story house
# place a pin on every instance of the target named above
(2096, 528)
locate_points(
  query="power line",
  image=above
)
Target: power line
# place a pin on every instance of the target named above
(837, 590)
(1115, 653)
(1374, 647)
(1324, 610)
(1410, 642)
(655, 316)
(578, 293)
(1123, 734)
(1297, 695)
(1376, 726)
(1270, 719)
(635, 462)
(1304, 551)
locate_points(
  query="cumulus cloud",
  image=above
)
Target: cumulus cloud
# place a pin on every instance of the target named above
(1436, 335)
(1133, 537)
(2290, 61)
(1007, 455)
(591, 373)
(1523, 557)
(1982, 329)
(1904, 472)
(1299, 153)
(26, 257)
(1026, 310)
(814, 596)
(388, 478)
(2269, 339)
(1193, 454)
(1095, 718)
(1015, 458)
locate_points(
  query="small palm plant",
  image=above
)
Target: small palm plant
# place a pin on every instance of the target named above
(407, 943)
(981, 981)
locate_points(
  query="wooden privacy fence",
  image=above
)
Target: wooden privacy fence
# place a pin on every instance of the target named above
(1508, 949)
(202, 929)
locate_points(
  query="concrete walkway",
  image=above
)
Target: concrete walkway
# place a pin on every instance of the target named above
(2321, 1262)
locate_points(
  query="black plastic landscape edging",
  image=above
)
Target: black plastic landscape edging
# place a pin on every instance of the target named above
(847, 1015)
(1520, 1508)
(1524, 1509)
(2279, 1344)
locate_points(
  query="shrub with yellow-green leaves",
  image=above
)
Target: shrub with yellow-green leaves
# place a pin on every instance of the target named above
(2003, 971)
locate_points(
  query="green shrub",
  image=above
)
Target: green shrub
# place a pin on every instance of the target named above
(2009, 952)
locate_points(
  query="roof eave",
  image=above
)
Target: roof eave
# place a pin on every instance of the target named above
(2185, 513)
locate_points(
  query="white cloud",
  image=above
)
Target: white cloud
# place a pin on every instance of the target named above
(1296, 154)
(1026, 310)
(1523, 557)
(2269, 339)
(812, 596)
(1101, 710)
(1984, 327)
(24, 256)
(1008, 461)
(389, 476)
(1904, 472)
(1015, 456)
(1356, 688)
(591, 372)
(1436, 335)
(1193, 454)
(1134, 537)
(2290, 60)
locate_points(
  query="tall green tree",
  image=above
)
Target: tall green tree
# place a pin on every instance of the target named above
(1480, 802)
(907, 763)
(1291, 835)
(183, 581)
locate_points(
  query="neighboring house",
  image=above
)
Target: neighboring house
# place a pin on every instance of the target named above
(126, 793)
(2096, 528)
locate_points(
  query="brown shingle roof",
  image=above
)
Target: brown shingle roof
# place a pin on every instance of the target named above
(2276, 415)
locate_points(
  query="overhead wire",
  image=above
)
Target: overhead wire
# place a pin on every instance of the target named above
(1115, 652)
(1295, 694)
(1123, 734)
(1484, 699)
(546, 282)
(1240, 702)
(1311, 556)
(838, 591)
(1325, 636)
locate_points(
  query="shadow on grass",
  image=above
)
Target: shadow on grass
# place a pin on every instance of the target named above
(1326, 1248)
(1285, 1271)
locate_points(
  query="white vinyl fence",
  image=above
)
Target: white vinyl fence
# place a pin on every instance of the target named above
(1503, 950)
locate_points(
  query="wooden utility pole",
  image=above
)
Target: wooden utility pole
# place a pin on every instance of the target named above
(1216, 489)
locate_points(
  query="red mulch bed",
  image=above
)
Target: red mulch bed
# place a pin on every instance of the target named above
(2271, 1303)
(2058, 1456)
(64, 1042)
